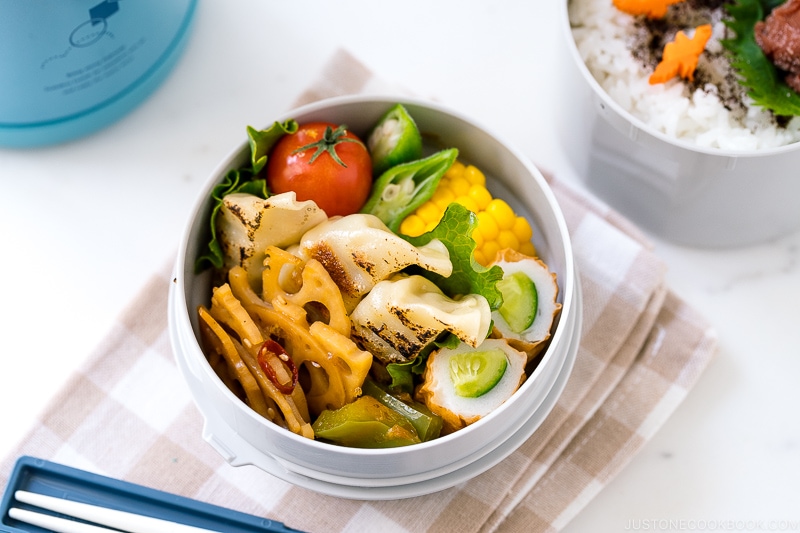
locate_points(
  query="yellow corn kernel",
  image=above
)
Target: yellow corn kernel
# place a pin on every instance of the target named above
(480, 195)
(528, 249)
(490, 249)
(459, 186)
(412, 225)
(507, 239)
(443, 196)
(522, 229)
(487, 225)
(479, 258)
(468, 202)
(455, 171)
(477, 236)
(502, 213)
(474, 176)
(429, 212)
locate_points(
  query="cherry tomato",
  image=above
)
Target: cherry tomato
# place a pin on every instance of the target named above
(324, 163)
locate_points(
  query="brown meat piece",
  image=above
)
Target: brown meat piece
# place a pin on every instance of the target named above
(779, 37)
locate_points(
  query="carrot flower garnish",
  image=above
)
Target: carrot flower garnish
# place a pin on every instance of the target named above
(681, 56)
(654, 9)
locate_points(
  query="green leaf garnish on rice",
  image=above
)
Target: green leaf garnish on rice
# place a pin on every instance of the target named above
(758, 75)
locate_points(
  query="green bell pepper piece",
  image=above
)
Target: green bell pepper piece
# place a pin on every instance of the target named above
(427, 424)
(365, 423)
(404, 187)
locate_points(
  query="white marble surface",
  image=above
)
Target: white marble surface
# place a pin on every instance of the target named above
(85, 224)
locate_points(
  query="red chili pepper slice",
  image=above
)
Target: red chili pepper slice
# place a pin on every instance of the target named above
(270, 347)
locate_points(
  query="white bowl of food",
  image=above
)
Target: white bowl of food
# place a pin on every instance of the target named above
(309, 346)
(691, 156)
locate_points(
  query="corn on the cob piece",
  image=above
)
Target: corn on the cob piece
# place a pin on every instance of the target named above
(498, 226)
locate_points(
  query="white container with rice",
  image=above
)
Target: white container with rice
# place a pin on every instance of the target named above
(691, 161)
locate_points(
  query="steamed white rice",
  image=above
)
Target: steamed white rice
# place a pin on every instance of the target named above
(602, 34)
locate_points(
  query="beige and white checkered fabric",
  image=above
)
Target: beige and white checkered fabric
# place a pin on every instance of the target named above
(128, 414)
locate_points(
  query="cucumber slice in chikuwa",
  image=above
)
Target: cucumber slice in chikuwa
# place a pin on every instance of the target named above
(533, 338)
(438, 390)
(476, 373)
(520, 301)
(395, 139)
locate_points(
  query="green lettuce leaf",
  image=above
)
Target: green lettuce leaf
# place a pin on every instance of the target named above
(262, 141)
(469, 276)
(244, 180)
(758, 74)
(234, 181)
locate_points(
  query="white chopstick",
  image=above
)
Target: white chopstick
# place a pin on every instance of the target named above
(122, 520)
(54, 523)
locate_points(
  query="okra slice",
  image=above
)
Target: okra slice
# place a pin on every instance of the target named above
(404, 187)
(395, 139)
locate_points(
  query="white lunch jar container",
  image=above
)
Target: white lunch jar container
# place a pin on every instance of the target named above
(243, 437)
(673, 189)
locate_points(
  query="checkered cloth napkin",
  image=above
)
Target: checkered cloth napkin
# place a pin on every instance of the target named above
(127, 413)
